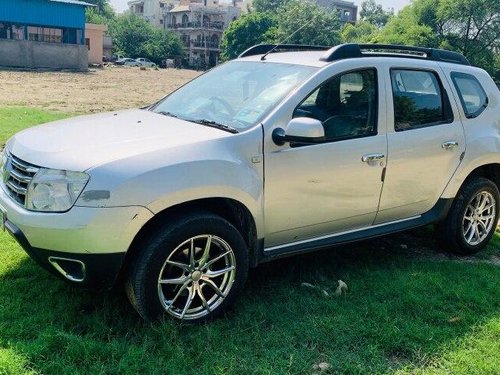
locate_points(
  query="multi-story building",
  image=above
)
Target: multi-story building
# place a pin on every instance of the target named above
(199, 24)
(348, 11)
(152, 10)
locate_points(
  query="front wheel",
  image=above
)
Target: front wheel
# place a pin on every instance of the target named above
(192, 270)
(472, 219)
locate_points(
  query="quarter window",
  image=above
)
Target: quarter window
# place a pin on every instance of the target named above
(346, 105)
(471, 93)
(418, 99)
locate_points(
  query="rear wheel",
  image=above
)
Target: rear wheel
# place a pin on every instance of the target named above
(192, 270)
(472, 219)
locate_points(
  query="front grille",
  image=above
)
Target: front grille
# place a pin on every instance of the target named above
(17, 176)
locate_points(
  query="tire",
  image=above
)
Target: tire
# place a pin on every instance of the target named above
(470, 225)
(174, 274)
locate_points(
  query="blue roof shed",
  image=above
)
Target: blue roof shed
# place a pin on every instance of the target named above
(60, 21)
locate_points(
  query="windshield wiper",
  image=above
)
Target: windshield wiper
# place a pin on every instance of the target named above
(215, 124)
(169, 114)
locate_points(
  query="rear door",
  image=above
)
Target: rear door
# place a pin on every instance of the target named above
(425, 140)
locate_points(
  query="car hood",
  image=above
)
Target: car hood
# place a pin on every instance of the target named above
(84, 142)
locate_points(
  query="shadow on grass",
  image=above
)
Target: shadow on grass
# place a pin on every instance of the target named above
(402, 309)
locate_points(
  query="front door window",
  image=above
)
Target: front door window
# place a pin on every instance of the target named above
(346, 105)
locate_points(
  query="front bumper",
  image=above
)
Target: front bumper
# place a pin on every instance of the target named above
(92, 239)
(97, 271)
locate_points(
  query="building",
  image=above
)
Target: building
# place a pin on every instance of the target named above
(348, 11)
(43, 34)
(199, 24)
(94, 40)
(152, 10)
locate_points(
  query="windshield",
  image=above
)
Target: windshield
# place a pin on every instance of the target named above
(235, 95)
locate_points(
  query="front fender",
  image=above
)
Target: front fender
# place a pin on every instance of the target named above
(223, 168)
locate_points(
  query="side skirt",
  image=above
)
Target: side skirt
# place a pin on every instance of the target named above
(434, 215)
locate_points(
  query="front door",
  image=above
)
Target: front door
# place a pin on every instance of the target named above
(327, 188)
(425, 145)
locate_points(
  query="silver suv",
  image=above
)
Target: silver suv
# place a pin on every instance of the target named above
(285, 150)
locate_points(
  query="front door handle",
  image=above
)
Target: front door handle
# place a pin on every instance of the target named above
(449, 145)
(372, 157)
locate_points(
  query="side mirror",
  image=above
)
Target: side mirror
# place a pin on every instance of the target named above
(300, 130)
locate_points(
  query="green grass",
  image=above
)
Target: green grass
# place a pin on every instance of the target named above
(402, 313)
(409, 310)
(14, 119)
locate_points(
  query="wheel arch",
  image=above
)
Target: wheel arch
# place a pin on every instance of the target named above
(232, 210)
(490, 171)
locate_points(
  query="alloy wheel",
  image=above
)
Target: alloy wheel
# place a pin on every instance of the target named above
(196, 277)
(479, 218)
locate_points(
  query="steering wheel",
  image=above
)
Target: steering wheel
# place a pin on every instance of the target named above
(229, 110)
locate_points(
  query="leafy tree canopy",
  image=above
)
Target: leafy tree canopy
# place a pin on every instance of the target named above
(361, 32)
(268, 5)
(135, 37)
(101, 14)
(303, 22)
(471, 27)
(374, 14)
(250, 29)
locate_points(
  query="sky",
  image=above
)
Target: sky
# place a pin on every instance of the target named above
(121, 5)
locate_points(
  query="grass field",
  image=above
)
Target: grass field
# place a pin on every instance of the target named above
(409, 310)
(14, 119)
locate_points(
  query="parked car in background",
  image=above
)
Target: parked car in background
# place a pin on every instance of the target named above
(112, 59)
(167, 63)
(145, 62)
(126, 61)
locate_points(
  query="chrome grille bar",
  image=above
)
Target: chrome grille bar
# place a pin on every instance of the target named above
(24, 179)
(21, 166)
(18, 175)
(18, 189)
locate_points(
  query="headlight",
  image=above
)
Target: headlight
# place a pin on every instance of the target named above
(55, 191)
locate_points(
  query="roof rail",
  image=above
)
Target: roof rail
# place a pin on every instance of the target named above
(261, 49)
(346, 51)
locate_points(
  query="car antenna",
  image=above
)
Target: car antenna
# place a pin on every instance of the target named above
(284, 40)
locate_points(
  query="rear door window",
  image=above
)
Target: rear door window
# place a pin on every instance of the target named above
(419, 99)
(471, 93)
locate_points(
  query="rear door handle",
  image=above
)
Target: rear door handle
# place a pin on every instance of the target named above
(372, 157)
(449, 145)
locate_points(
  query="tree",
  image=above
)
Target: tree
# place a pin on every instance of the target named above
(245, 32)
(102, 13)
(471, 27)
(407, 29)
(134, 37)
(361, 32)
(301, 22)
(373, 13)
(304, 22)
(92, 15)
(268, 5)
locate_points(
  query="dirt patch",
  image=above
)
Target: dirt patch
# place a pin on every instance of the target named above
(96, 91)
